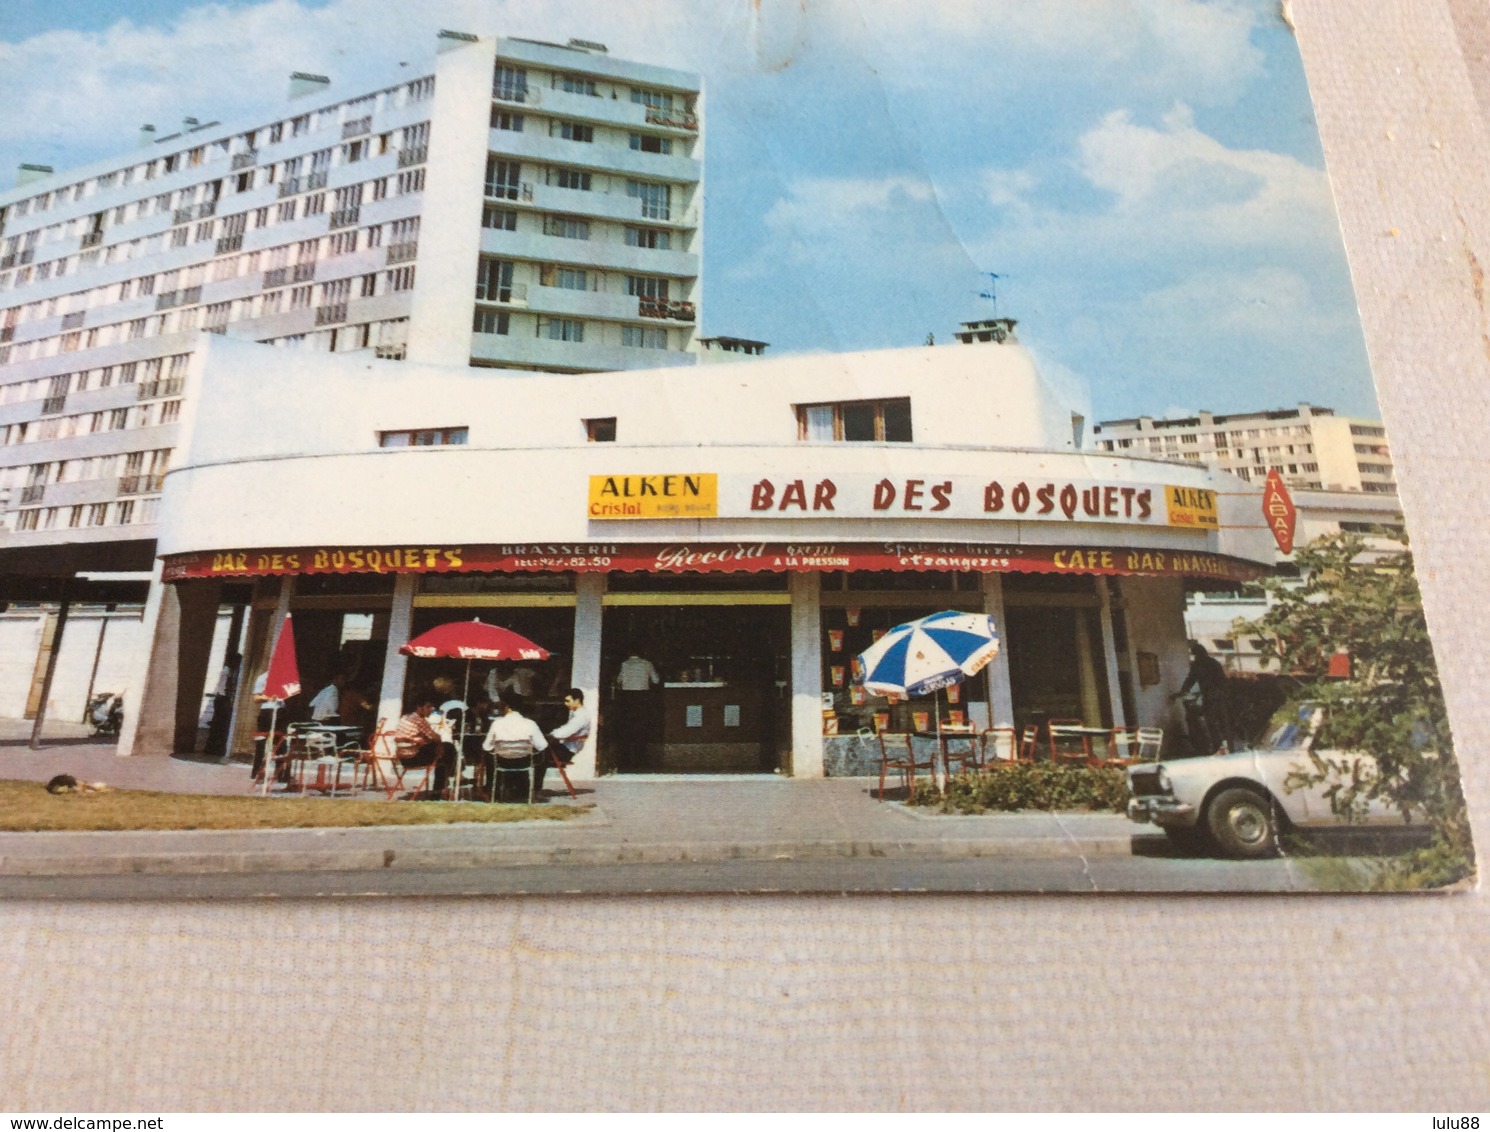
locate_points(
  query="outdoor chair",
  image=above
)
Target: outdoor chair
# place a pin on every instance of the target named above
(380, 766)
(970, 756)
(1028, 743)
(1068, 745)
(898, 753)
(1001, 749)
(509, 757)
(1150, 743)
(1122, 748)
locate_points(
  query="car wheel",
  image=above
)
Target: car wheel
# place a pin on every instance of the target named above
(1192, 840)
(1242, 822)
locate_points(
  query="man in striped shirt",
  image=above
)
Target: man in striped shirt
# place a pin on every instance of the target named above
(419, 745)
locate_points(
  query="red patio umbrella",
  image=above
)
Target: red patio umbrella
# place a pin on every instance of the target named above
(468, 641)
(280, 683)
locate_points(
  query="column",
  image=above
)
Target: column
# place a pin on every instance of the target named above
(807, 676)
(1000, 689)
(1086, 673)
(584, 673)
(396, 664)
(1109, 653)
(51, 666)
(165, 720)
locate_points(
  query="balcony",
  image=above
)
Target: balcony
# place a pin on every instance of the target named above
(331, 312)
(674, 119)
(289, 187)
(393, 353)
(7, 333)
(345, 217)
(74, 320)
(245, 160)
(414, 155)
(226, 244)
(33, 493)
(356, 128)
(161, 387)
(276, 277)
(303, 273)
(54, 404)
(142, 483)
(512, 93)
(91, 239)
(653, 308)
(184, 215)
(404, 252)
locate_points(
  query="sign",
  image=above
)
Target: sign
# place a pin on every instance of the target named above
(666, 496)
(1021, 498)
(1191, 507)
(1278, 510)
(710, 557)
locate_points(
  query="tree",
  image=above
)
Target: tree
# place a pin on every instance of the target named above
(1367, 605)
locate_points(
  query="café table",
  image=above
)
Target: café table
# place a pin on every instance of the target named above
(942, 738)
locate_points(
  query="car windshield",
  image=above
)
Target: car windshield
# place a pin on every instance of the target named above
(1293, 727)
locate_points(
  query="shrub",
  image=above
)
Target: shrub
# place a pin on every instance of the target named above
(1040, 787)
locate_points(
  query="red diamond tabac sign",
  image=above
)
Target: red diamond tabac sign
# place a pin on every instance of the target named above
(1278, 510)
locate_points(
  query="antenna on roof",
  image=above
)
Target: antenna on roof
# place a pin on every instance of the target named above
(992, 293)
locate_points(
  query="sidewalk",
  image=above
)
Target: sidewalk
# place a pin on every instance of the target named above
(635, 820)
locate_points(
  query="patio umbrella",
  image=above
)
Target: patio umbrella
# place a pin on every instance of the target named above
(927, 655)
(468, 641)
(281, 681)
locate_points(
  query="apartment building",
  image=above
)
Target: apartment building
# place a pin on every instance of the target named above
(1312, 447)
(519, 205)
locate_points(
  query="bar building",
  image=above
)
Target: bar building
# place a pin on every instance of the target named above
(746, 530)
(521, 205)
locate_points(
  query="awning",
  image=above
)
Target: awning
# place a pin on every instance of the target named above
(716, 557)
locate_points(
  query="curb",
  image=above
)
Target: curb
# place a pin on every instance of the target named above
(488, 857)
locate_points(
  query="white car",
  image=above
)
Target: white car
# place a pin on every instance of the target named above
(1240, 802)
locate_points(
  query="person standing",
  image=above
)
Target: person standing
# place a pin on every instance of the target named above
(634, 682)
(1209, 676)
(569, 737)
(516, 743)
(222, 705)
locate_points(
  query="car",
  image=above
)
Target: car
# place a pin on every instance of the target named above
(1240, 802)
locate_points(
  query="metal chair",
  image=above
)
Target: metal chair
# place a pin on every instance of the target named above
(898, 753)
(511, 756)
(1150, 743)
(1068, 746)
(1029, 740)
(1122, 748)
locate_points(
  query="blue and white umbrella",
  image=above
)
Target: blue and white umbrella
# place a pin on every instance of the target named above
(927, 654)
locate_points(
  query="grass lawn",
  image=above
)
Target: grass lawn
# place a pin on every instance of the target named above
(26, 806)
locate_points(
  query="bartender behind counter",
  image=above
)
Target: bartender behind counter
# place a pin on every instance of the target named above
(634, 683)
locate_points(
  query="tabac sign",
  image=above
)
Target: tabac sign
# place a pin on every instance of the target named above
(1279, 511)
(668, 496)
(858, 496)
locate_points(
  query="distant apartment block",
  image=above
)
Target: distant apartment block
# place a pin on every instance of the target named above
(1311, 447)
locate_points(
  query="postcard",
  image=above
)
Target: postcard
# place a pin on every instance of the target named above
(713, 447)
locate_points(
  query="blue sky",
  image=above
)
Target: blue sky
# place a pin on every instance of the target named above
(1145, 174)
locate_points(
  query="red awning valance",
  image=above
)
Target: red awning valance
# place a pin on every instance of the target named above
(676, 558)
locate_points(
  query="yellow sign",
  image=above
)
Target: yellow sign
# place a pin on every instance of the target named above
(1191, 507)
(690, 496)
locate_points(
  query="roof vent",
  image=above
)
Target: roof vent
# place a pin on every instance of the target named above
(302, 84)
(589, 45)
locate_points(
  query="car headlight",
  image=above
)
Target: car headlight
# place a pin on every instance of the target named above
(1165, 783)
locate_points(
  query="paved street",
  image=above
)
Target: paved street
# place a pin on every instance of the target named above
(638, 834)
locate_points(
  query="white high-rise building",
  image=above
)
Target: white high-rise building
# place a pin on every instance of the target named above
(519, 205)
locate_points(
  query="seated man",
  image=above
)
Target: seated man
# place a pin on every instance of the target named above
(568, 738)
(515, 742)
(418, 744)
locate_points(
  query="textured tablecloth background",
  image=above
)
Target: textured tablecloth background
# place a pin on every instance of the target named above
(1106, 1002)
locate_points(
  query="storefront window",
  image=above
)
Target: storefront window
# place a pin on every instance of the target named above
(496, 583)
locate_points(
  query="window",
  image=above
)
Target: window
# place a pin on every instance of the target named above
(1366, 430)
(510, 84)
(572, 279)
(654, 99)
(578, 84)
(401, 279)
(656, 200)
(488, 321)
(506, 120)
(647, 287)
(578, 179)
(503, 178)
(561, 329)
(888, 420)
(344, 243)
(315, 204)
(656, 238)
(567, 227)
(494, 281)
(571, 131)
(501, 219)
(300, 297)
(648, 143)
(411, 182)
(423, 437)
(369, 286)
(645, 337)
(601, 430)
